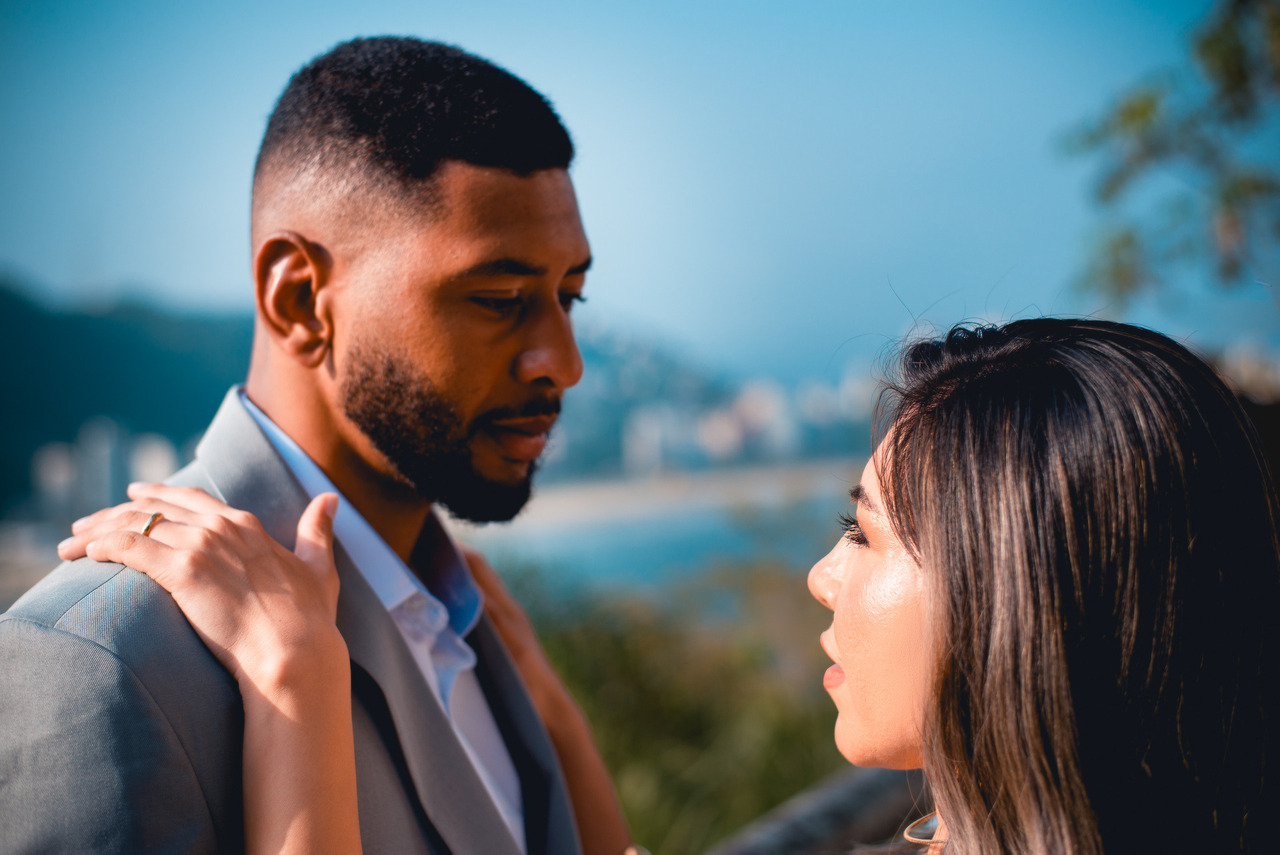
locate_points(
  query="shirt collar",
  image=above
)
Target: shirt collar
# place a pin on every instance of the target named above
(394, 583)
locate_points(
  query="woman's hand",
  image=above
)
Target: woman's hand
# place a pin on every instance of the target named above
(264, 611)
(268, 614)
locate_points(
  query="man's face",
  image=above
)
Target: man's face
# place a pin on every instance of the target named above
(460, 346)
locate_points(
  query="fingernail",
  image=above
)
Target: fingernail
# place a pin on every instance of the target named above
(331, 507)
(89, 546)
(65, 543)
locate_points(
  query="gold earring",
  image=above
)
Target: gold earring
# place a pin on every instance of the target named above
(909, 834)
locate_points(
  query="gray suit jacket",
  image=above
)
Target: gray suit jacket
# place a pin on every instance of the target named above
(120, 732)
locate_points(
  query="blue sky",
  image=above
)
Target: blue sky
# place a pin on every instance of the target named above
(771, 188)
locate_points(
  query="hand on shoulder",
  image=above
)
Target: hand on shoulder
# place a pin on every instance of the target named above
(267, 613)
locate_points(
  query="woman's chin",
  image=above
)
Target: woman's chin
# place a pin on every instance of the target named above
(876, 753)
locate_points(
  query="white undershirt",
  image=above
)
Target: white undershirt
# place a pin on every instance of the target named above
(432, 625)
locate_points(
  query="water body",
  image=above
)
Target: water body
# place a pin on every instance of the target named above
(646, 533)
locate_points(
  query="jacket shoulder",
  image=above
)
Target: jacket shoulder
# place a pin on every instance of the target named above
(113, 606)
(111, 700)
(127, 616)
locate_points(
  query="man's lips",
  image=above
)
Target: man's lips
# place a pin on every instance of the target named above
(521, 439)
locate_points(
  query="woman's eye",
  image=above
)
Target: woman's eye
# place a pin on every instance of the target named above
(852, 531)
(567, 301)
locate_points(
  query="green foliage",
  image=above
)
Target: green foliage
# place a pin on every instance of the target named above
(706, 700)
(1201, 152)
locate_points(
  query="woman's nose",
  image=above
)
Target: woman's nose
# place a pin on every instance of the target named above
(824, 579)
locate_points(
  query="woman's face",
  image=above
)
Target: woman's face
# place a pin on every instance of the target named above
(878, 639)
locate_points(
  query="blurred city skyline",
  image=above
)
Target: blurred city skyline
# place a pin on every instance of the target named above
(771, 191)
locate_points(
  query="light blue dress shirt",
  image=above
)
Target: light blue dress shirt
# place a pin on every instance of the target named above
(432, 622)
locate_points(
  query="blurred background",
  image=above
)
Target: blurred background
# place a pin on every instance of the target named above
(775, 194)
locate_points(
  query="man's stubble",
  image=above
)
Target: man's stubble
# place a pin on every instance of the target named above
(424, 438)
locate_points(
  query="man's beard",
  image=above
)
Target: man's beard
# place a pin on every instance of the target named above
(423, 437)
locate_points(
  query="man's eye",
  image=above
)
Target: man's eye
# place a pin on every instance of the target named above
(500, 305)
(567, 301)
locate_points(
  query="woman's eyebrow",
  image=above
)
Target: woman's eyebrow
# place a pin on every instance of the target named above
(858, 495)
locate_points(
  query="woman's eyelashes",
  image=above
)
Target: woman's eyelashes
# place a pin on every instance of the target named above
(852, 531)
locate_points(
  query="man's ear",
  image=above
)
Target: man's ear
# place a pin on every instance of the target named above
(290, 273)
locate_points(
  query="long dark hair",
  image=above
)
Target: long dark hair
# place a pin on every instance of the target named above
(1099, 527)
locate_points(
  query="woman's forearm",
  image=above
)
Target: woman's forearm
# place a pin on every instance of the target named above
(299, 756)
(601, 823)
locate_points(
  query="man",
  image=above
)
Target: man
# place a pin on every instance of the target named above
(417, 249)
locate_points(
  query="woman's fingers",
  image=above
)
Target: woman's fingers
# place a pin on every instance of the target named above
(97, 518)
(315, 532)
(187, 505)
(314, 545)
(188, 497)
(131, 516)
(136, 550)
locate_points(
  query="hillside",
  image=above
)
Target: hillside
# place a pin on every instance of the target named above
(148, 370)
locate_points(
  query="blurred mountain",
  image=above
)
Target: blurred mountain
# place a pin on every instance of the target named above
(146, 369)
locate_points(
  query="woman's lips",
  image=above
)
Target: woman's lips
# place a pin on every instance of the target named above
(834, 675)
(522, 439)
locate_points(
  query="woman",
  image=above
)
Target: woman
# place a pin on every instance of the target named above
(1058, 595)
(1055, 598)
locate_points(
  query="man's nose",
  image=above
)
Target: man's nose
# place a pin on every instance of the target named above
(551, 355)
(824, 580)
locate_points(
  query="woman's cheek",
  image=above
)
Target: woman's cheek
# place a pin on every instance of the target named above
(883, 636)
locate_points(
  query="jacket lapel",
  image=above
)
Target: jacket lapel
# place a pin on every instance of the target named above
(548, 819)
(249, 474)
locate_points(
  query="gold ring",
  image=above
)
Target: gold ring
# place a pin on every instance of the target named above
(151, 523)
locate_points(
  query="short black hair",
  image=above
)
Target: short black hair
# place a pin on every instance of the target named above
(401, 106)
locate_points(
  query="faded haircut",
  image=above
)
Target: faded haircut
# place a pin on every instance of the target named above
(392, 110)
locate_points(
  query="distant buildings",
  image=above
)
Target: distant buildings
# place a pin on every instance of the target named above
(760, 421)
(73, 479)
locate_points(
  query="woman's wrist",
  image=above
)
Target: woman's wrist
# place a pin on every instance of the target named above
(302, 665)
